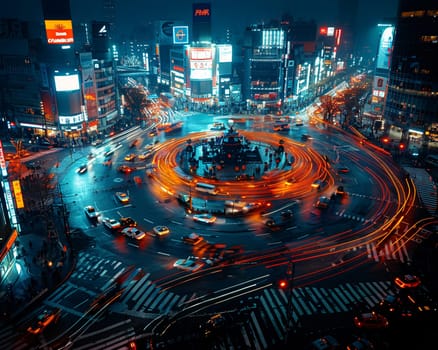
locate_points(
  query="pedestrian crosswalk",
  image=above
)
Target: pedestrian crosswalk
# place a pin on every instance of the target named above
(268, 323)
(391, 250)
(275, 310)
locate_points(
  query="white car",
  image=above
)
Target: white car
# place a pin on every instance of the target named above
(133, 232)
(161, 230)
(91, 212)
(204, 218)
(191, 263)
(111, 224)
(122, 197)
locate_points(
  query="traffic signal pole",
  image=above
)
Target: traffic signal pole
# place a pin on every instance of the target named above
(289, 311)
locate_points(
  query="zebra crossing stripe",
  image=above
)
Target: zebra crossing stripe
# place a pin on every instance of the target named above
(134, 286)
(245, 337)
(322, 298)
(170, 306)
(375, 254)
(370, 294)
(334, 296)
(309, 299)
(150, 295)
(345, 300)
(259, 333)
(273, 319)
(315, 301)
(297, 298)
(112, 279)
(348, 294)
(139, 288)
(281, 307)
(372, 287)
(161, 295)
(166, 300)
(353, 292)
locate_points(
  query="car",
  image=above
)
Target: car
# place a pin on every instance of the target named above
(127, 222)
(82, 169)
(360, 344)
(130, 157)
(205, 218)
(125, 169)
(218, 126)
(133, 232)
(371, 320)
(343, 170)
(340, 191)
(327, 342)
(322, 202)
(122, 197)
(191, 263)
(91, 212)
(133, 144)
(161, 230)
(96, 142)
(407, 281)
(192, 238)
(33, 165)
(216, 323)
(43, 320)
(305, 137)
(108, 153)
(317, 184)
(144, 155)
(111, 224)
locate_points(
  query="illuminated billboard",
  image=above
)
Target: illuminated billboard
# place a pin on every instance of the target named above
(385, 48)
(201, 63)
(180, 34)
(225, 53)
(59, 32)
(67, 82)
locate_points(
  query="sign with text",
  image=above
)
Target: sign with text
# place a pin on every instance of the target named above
(180, 34)
(59, 32)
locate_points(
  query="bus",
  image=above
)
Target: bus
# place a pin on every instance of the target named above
(207, 188)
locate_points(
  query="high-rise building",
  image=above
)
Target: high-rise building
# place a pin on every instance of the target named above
(201, 31)
(411, 107)
(347, 19)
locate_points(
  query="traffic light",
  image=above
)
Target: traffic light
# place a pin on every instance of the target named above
(282, 284)
(402, 146)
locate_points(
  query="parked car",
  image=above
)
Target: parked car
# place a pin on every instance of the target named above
(407, 281)
(127, 222)
(371, 320)
(192, 238)
(133, 232)
(122, 197)
(43, 320)
(161, 230)
(91, 212)
(111, 224)
(205, 218)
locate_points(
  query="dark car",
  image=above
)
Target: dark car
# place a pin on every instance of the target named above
(127, 222)
(82, 169)
(43, 320)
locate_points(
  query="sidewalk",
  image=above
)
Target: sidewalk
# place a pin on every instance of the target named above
(44, 261)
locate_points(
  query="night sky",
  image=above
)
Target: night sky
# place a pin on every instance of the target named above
(233, 14)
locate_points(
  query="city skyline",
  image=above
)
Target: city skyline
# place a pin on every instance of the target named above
(131, 15)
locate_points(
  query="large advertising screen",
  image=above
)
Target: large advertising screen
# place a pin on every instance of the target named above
(59, 32)
(201, 63)
(67, 82)
(385, 49)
